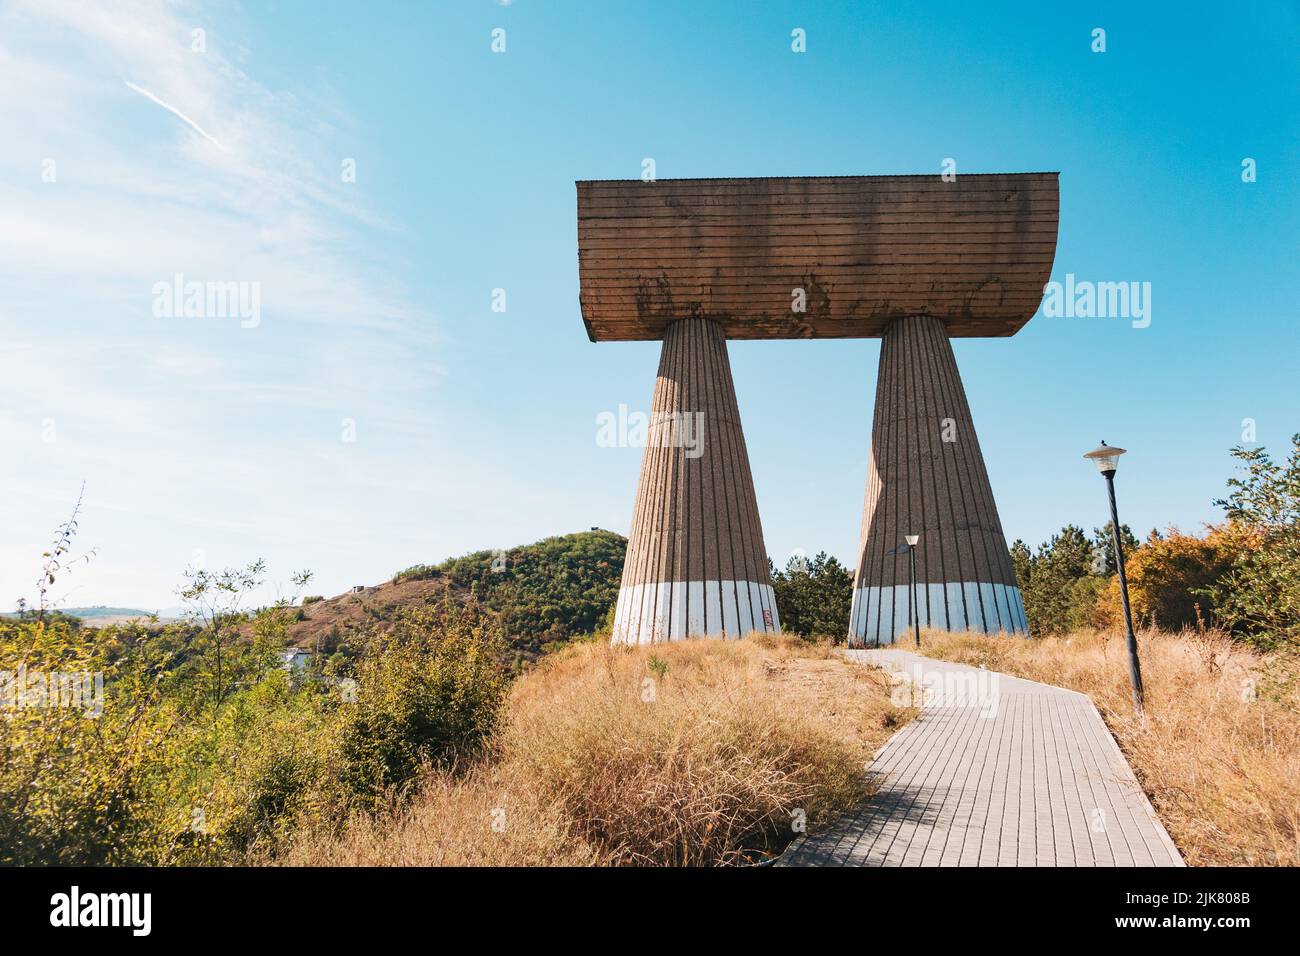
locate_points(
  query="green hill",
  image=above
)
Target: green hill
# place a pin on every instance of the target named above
(545, 593)
(554, 589)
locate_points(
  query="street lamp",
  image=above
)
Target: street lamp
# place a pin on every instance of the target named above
(1106, 458)
(911, 540)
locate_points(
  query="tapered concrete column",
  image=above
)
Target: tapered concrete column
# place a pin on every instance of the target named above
(927, 476)
(696, 565)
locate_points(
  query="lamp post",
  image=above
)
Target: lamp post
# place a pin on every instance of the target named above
(911, 540)
(1106, 459)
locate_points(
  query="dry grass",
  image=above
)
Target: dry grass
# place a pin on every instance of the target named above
(691, 753)
(481, 818)
(1220, 754)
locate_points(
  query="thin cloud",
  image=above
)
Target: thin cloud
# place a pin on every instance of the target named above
(94, 386)
(175, 112)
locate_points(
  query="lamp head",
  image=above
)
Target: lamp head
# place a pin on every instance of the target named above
(1106, 458)
(911, 539)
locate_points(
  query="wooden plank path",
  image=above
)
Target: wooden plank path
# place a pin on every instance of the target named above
(996, 771)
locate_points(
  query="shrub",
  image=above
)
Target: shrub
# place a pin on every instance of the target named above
(169, 773)
(416, 572)
(1259, 596)
(69, 782)
(1166, 579)
(429, 693)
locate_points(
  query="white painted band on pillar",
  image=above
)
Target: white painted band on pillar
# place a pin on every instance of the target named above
(882, 614)
(676, 610)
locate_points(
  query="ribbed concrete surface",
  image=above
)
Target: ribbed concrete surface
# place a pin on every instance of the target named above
(866, 249)
(696, 564)
(996, 771)
(927, 477)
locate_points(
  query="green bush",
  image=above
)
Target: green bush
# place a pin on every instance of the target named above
(416, 572)
(1259, 596)
(429, 693)
(173, 773)
(68, 779)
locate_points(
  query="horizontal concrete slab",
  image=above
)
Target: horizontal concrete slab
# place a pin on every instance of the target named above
(815, 256)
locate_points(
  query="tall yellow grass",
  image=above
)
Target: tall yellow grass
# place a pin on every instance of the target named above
(482, 817)
(690, 753)
(1219, 755)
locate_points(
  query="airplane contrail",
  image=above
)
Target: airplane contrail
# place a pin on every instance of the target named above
(173, 110)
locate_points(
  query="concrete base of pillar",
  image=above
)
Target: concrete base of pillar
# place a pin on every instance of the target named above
(883, 615)
(676, 610)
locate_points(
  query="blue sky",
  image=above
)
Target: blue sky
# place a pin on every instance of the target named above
(201, 439)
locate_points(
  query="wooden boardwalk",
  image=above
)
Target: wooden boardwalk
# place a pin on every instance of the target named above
(996, 771)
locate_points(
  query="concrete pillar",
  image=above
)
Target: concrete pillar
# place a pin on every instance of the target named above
(696, 565)
(927, 476)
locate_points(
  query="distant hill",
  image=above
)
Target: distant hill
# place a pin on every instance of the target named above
(98, 610)
(102, 616)
(545, 593)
